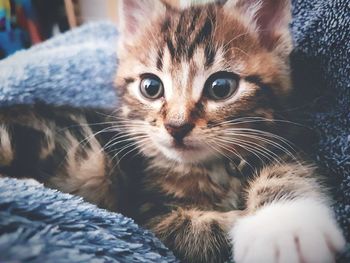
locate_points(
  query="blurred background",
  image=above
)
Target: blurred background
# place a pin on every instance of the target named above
(24, 23)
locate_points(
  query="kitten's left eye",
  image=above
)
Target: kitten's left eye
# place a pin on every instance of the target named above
(151, 87)
(221, 85)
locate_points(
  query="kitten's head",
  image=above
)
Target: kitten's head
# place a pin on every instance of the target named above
(195, 82)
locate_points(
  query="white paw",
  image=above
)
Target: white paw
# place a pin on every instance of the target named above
(300, 231)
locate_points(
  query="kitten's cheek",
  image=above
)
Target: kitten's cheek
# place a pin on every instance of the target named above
(163, 137)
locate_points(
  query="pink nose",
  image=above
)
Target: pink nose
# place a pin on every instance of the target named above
(178, 132)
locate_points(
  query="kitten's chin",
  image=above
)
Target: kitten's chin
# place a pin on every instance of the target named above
(186, 154)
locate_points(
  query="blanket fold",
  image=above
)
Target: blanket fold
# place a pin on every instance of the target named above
(43, 225)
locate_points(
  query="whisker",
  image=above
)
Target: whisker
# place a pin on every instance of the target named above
(269, 142)
(257, 148)
(138, 147)
(120, 138)
(218, 150)
(222, 145)
(121, 149)
(116, 142)
(142, 145)
(244, 120)
(259, 132)
(248, 148)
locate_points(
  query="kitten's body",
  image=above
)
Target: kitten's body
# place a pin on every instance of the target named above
(212, 173)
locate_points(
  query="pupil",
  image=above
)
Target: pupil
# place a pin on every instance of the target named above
(221, 88)
(151, 87)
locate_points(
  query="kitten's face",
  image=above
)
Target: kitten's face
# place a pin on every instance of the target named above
(189, 79)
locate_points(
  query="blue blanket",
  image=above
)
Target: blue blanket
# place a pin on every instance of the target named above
(321, 31)
(44, 225)
(77, 68)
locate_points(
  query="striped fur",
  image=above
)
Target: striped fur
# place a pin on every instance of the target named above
(184, 48)
(234, 165)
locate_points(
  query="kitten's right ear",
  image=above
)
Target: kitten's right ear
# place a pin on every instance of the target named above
(135, 14)
(269, 19)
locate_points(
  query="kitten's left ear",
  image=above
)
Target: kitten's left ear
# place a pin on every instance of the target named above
(270, 20)
(134, 15)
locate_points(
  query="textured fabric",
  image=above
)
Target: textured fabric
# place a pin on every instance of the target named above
(43, 225)
(75, 68)
(321, 31)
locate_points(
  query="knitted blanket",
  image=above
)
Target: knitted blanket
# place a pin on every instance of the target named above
(321, 68)
(43, 225)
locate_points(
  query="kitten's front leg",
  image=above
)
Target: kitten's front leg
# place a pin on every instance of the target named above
(196, 236)
(289, 219)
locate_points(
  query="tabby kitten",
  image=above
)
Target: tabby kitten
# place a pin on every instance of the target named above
(203, 93)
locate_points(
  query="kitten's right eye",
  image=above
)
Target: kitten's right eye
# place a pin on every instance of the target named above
(221, 85)
(151, 87)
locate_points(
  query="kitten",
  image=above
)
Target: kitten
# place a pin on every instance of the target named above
(203, 93)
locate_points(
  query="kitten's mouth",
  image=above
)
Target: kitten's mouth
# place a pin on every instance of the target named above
(180, 145)
(184, 151)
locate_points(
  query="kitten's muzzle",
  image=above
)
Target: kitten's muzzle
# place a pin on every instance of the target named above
(179, 131)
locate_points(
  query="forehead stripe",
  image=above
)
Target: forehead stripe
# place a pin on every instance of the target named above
(203, 35)
(194, 19)
(171, 47)
(179, 44)
(166, 25)
(209, 53)
(160, 55)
